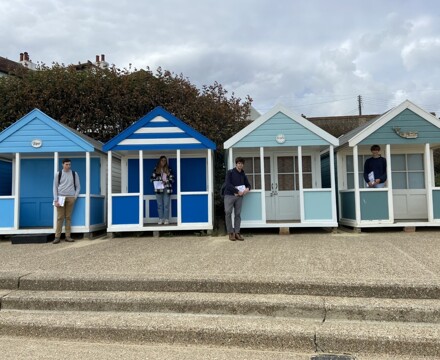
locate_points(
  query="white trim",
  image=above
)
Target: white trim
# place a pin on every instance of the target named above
(179, 195)
(158, 130)
(169, 141)
(300, 183)
(381, 121)
(87, 202)
(230, 159)
(159, 119)
(276, 109)
(17, 191)
(141, 187)
(389, 183)
(357, 197)
(55, 167)
(109, 189)
(428, 183)
(210, 186)
(263, 185)
(333, 182)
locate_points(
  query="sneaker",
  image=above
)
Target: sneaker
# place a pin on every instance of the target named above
(68, 239)
(56, 241)
(166, 222)
(160, 222)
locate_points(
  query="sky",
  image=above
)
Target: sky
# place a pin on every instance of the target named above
(313, 56)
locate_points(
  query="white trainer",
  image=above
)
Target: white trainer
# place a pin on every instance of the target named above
(166, 222)
(160, 222)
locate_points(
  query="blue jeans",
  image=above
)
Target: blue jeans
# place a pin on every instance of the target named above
(163, 205)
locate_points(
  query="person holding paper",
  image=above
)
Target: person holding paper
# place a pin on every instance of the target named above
(66, 188)
(162, 179)
(375, 169)
(237, 186)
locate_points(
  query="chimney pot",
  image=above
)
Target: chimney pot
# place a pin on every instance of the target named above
(21, 56)
(97, 58)
(102, 57)
(26, 56)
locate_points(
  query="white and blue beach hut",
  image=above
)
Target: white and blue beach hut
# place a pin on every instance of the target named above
(132, 204)
(282, 152)
(31, 151)
(408, 136)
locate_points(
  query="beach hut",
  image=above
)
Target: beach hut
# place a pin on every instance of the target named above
(408, 136)
(282, 152)
(31, 152)
(132, 205)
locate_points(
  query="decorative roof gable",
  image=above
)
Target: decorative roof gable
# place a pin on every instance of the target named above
(159, 130)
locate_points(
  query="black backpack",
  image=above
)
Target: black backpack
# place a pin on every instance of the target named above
(73, 173)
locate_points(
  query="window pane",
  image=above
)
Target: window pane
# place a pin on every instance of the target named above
(248, 166)
(307, 163)
(362, 183)
(350, 181)
(416, 180)
(350, 163)
(267, 165)
(257, 168)
(307, 181)
(415, 162)
(398, 163)
(257, 184)
(285, 182)
(285, 164)
(267, 182)
(251, 180)
(399, 180)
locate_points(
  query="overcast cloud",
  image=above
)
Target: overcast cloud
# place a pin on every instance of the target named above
(313, 56)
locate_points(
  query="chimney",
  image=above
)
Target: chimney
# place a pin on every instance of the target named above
(21, 57)
(26, 56)
(102, 57)
(97, 58)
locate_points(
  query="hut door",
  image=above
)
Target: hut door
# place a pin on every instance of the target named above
(282, 201)
(409, 193)
(36, 193)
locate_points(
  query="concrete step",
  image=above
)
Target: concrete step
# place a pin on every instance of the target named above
(229, 284)
(246, 332)
(280, 305)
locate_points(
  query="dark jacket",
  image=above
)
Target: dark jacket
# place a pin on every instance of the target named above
(378, 166)
(235, 178)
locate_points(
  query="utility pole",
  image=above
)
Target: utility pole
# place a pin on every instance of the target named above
(360, 104)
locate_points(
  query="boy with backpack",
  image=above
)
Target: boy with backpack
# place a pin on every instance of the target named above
(66, 189)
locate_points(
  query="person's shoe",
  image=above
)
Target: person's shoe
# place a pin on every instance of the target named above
(56, 241)
(69, 239)
(232, 236)
(160, 222)
(239, 237)
(166, 222)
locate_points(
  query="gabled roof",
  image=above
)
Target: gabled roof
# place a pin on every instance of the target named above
(159, 130)
(271, 113)
(357, 135)
(7, 65)
(65, 139)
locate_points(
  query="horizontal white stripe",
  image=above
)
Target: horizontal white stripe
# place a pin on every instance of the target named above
(169, 141)
(159, 119)
(158, 130)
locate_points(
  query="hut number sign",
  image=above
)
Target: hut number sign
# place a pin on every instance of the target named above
(280, 138)
(37, 143)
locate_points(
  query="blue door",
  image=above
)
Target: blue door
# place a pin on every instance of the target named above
(36, 198)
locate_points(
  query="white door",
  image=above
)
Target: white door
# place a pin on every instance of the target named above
(409, 192)
(282, 192)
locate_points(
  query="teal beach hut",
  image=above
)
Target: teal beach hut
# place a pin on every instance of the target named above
(132, 202)
(31, 152)
(282, 152)
(408, 136)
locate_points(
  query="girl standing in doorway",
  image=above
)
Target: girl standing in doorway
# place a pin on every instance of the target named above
(163, 178)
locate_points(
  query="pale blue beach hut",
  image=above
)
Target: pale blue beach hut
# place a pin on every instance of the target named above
(132, 202)
(31, 151)
(408, 136)
(282, 152)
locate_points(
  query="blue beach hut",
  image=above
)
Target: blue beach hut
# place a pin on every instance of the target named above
(282, 152)
(132, 203)
(31, 151)
(408, 136)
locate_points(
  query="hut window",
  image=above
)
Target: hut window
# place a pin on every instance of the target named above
(252, 168)
(408, 171)
(350, 170)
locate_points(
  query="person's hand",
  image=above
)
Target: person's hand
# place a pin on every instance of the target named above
(377, 181)
(57, 204)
